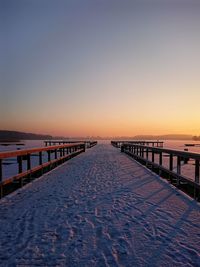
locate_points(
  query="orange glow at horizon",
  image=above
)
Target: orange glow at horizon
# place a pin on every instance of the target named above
(104, 127)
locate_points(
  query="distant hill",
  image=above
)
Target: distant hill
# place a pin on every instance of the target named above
(15, 136)
(196, 138)
(158, 137)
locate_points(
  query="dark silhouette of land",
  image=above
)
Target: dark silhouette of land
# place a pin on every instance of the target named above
(13, 136)
(10, 136)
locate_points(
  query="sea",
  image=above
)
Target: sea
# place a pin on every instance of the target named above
(10, 165)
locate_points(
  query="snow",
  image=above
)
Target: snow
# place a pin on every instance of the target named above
(99, 209)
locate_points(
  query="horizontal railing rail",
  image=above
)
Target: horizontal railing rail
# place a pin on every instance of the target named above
(88, 143)
(139, 142)
(92, 143)
(54, 155)
(153, 157)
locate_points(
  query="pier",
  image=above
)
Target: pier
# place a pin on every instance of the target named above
(101, 208)
(152, 157)
(148, 143)
(88, 143)
(55, 155)
(192, 144)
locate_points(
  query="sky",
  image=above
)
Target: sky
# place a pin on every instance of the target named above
(100, 67)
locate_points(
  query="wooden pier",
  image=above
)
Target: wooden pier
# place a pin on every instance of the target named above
(88, 143)
(147, 156)
(101, 208)
(118, 144)
(192, 144)
(149, 153)
(56, 155)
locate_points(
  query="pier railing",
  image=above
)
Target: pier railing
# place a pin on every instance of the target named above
(47, 159)
(153, 158)
(87, 143)
(118, 144)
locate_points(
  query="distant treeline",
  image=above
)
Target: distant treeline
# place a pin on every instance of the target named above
(196, 138)
(16, 136)
(13, 136)
(157, 137)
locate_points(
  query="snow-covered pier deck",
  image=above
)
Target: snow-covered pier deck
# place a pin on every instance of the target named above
(99, 209)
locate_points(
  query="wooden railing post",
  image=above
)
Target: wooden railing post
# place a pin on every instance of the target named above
(147, 153)
(84, 147)
(152, 152)
(122, 148)
(143, 152)
(160, 158)
(56, 154)
(19, 160)
(178, 169)
(28, 162)
(49, 155)
(178, 165)
(1, 171)
(171, 162)
(197, 171)
(40, 158)
(186, 160)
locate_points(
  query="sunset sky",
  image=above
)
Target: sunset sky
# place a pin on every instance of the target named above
(100, 67)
